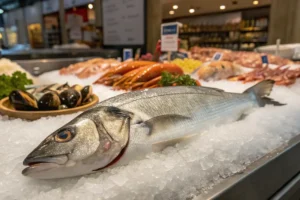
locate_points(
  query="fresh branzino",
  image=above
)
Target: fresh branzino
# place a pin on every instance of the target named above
(130, 125)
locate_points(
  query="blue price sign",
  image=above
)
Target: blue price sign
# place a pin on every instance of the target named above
(217, 56)
(170, 29)
(264, 59)
(127, 54)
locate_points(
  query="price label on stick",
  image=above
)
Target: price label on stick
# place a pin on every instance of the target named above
(127, 54)
(296, 53)
(264, 59)
(169, 36)
(137, 54)
(217, 56)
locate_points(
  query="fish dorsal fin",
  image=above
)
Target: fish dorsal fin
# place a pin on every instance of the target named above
(210, 88)
(158, 123)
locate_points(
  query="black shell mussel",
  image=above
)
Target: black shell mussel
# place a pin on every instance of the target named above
(86, 93)
(70, 97)
(22, 100)
(49, 101)
(50, 97)
(62, 87)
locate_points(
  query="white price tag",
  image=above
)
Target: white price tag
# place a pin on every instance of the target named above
(217, 56)
(296, 53)
(169, 36)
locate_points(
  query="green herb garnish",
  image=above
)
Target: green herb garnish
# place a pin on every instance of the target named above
(17, 81)
(167, 79)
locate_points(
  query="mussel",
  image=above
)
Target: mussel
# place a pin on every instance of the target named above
(46, 88)
(22, 100)
(50, 97)
(70, 97)
(77, 87)
(49, 101)
(62, 106)
(86, 93)
(63, 86)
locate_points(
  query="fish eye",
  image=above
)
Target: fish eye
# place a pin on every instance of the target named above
(63, 136)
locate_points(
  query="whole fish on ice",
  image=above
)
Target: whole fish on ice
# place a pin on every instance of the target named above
(130, 125)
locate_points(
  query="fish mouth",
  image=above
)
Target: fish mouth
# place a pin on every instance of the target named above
(38, 164)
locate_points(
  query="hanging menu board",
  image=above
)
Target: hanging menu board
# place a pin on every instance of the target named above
(123, 22)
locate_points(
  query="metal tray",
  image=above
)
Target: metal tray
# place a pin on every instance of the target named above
(38, 66)
(274, 176)
(290, 51)
(26, 54)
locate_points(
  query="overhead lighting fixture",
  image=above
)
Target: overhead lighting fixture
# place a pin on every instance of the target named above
(90, 6)
(1, 11)
(175, 7)
(171, 12)
(222, 7)
(192, 10)
(255, 2)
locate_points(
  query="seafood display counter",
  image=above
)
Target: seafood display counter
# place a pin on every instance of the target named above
(26, 54)
(253, 158)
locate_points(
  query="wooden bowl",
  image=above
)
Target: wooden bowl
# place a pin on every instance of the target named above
(7, 109)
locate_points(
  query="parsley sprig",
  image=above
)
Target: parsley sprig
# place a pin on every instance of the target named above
(17, 81)
(168, 79)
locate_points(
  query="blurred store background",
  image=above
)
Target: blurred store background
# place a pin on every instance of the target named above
(32, 25)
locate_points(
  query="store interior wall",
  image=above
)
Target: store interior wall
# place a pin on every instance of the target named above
(98, 13)
(33, 15)
(16, 18)
(284, 21)
(154, 20)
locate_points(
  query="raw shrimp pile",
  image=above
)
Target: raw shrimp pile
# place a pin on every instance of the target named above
(137, 75)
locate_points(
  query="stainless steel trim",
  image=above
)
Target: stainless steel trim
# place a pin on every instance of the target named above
(263, 178)
(289, 191)
(39, 66)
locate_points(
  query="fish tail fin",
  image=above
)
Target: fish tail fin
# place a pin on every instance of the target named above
(261, 90)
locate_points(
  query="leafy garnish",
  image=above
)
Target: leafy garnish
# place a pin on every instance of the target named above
(17, 81)
(167, 79)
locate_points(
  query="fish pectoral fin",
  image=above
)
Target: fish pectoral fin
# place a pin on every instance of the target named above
(162, 122)
(159, 146)
(242, 117)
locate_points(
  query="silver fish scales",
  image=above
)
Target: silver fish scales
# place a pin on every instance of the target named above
(129, 126)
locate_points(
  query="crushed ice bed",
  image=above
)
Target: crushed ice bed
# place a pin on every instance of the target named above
(179, 172)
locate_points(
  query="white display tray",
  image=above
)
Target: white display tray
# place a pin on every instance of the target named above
(290, 51)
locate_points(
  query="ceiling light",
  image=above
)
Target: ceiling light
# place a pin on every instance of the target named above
(255, 2)
(1, 11)
(222, 7)
(90, 6)
(175, 7)
(171, 12)
(192, 10)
